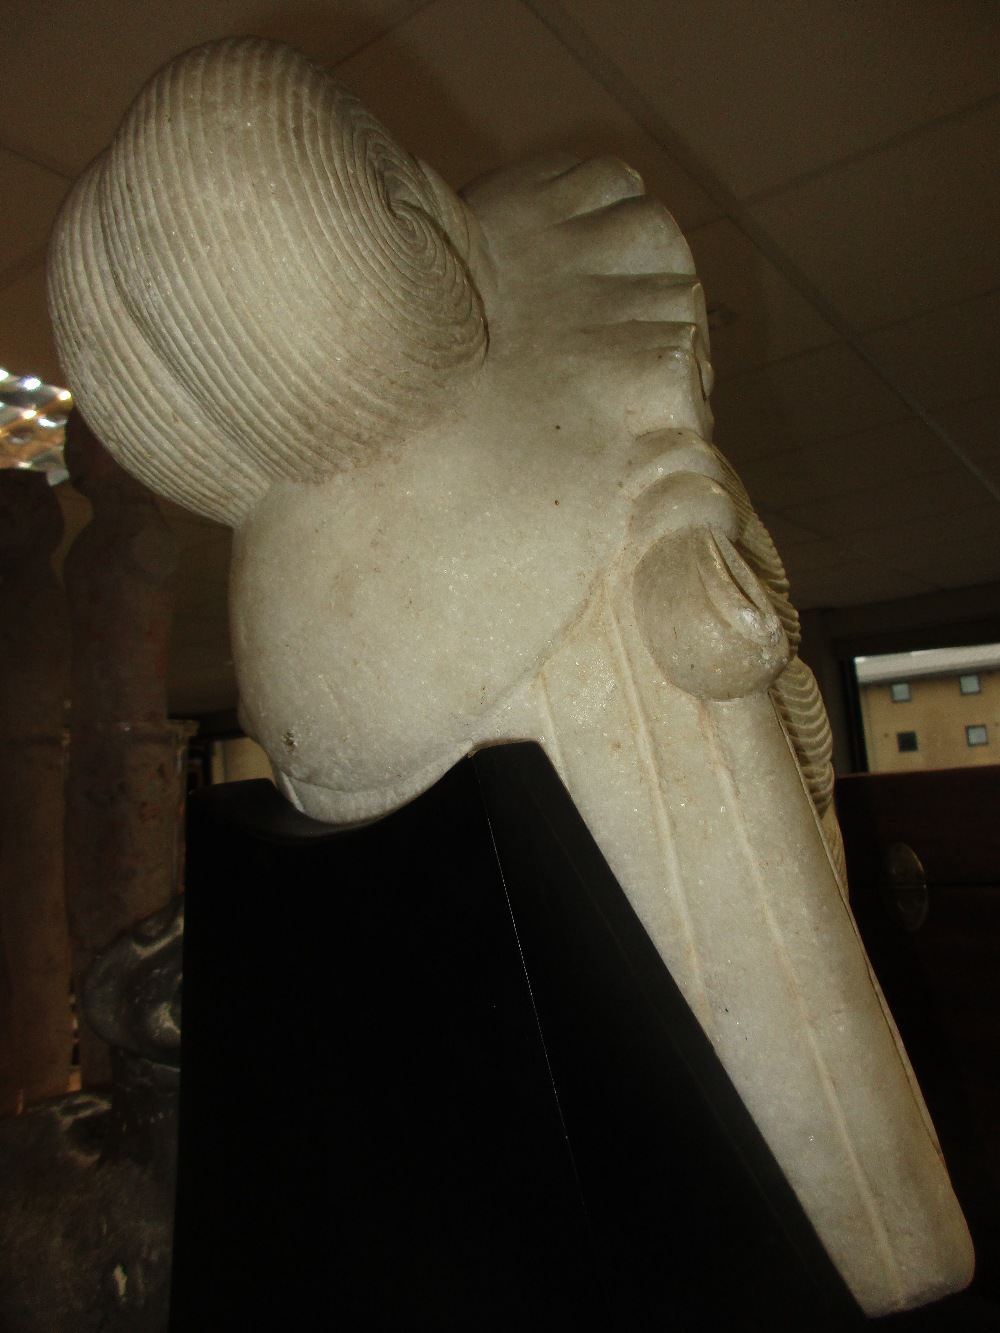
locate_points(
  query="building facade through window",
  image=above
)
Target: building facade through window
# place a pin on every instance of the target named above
(939, 708)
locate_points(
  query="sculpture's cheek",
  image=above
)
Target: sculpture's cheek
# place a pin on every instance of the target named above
(370, 651)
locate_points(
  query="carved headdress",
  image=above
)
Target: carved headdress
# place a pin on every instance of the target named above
(256, 280)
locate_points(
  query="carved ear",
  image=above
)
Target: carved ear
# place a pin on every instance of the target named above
(257, 281)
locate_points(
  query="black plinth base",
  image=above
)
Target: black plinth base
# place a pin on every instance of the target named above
(435, 1077)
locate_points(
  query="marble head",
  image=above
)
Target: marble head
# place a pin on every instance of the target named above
(463, 441)
(428, 417)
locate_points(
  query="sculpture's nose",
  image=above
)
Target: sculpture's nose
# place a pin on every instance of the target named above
(666, 453)
(705, 619)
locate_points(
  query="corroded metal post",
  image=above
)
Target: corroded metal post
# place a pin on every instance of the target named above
(87, 1180)
(36, 1039)
(125, 787)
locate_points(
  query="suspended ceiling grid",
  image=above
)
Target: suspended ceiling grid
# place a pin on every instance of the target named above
(833, 165)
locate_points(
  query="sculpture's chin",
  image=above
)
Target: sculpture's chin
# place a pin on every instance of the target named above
(330, 805)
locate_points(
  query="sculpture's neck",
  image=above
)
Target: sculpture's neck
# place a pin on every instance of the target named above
(702, 815)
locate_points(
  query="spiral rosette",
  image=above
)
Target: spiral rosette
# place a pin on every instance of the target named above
(256, 281)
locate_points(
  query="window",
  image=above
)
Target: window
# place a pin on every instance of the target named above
(976, 736)
(922, 700)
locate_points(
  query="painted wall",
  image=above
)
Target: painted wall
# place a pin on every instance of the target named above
(939, 713)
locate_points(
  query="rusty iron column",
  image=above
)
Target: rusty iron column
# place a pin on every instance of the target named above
(125, 787)
(36, 1038)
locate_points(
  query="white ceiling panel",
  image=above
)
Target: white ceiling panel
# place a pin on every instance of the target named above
(471, 85)
(946, 356)
(901, 231)
(946, 554)
(29, 200)
(827, 571)
(90, 59)
(852, 582)
(976, 424)
(950, 491)
(871, 458)
(805, 559)
(787, 534)
(759, 317)
(763, 93)
(26, 342)
(801, 402)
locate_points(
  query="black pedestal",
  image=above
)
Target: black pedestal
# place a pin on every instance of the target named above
(436, 1077)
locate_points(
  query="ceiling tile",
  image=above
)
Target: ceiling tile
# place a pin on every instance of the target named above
(29, 200)
(762, 93)
(976, 427)
(944, 495)
(93, 58)
(854, 582)
(947, 355)
(836, 571)
(26, 342)
(948, 550)
(470, 85)
(806, 558)
(962, 567)
(901, 231)
(757, 316)
(869, 459)
(818, 396)
(786, 533)
(880, 458)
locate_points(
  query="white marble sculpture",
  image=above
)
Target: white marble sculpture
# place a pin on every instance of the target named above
(463, 444)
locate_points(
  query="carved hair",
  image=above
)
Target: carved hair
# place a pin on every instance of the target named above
(255, 281)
